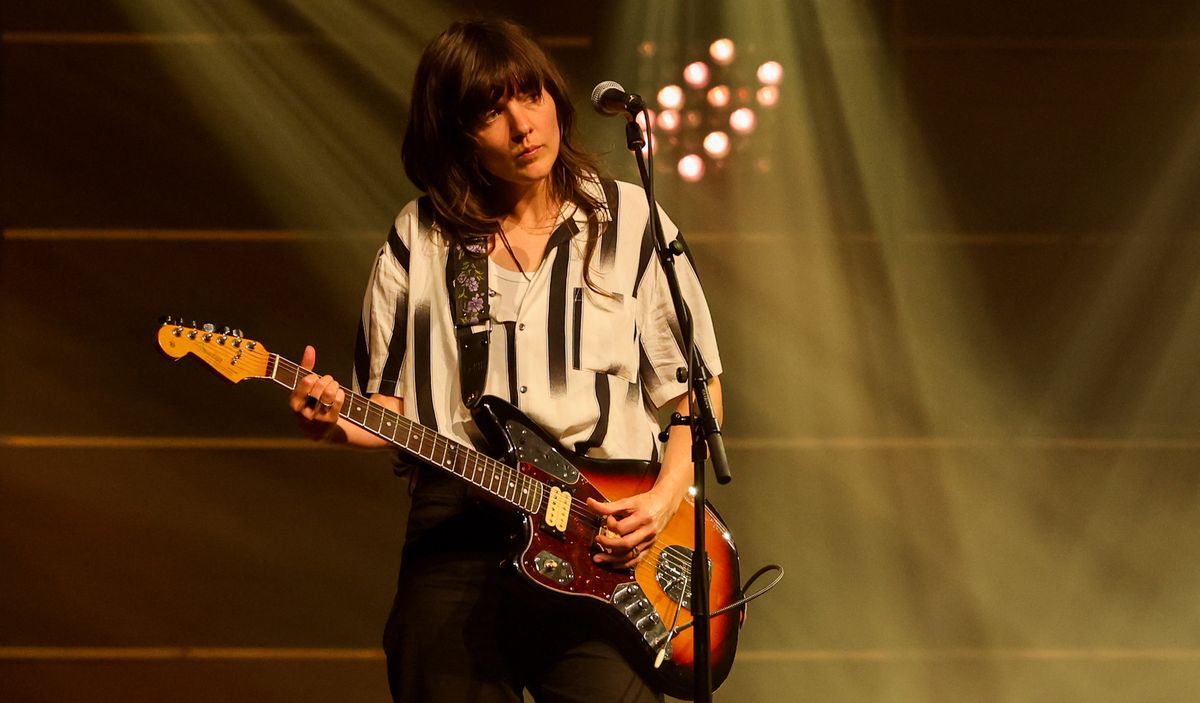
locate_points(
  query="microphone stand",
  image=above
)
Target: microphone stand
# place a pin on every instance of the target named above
(706, 432)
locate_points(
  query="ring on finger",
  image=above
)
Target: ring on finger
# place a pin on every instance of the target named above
(326, 406)
(636, 551)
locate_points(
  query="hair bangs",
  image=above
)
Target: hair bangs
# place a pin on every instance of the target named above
(500, 69)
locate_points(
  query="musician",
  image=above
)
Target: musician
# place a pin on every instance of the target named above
(580, 335)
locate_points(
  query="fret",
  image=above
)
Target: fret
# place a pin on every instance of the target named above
(408, 436)
(494, 481)
(358, 410)
(502, 485)
(430, 440)
(477, 472)
(390, 420)
(523, 500)
(374, 418)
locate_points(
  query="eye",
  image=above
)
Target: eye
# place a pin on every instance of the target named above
(489, 116)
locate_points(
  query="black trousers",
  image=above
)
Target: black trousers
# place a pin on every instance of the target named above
(464, 628)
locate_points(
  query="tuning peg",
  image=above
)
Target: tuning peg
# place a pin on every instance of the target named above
(209, 327)
(237, 333)
(225, 330)
(166, 320)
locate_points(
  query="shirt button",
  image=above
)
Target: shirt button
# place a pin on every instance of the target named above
(522, 389)
(521, 326)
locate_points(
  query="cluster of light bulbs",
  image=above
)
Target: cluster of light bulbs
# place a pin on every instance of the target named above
(671, 117)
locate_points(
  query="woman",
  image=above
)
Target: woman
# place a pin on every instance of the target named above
(520, 244)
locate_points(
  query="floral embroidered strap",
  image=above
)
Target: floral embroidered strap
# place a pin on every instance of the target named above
(468, 278)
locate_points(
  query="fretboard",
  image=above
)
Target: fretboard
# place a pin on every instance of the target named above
(499, 479)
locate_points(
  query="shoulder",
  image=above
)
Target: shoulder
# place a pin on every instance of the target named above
(412, 230)
(415, 215)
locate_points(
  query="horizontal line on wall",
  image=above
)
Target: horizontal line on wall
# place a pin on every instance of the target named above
(572, 41)
(1051, 42)
(160, 653)
(1091, 654)
(172, 235)
(210, 443)
(969, 239)
(554, 41)
(737, 443)
(969, 654)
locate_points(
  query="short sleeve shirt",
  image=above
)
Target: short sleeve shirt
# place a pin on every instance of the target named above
(590, 368)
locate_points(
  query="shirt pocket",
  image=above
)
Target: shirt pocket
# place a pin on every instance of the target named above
(604, 335)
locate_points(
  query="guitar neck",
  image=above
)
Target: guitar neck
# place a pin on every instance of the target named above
(502, 481)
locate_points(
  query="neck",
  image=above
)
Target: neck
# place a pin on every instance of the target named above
(532, 207)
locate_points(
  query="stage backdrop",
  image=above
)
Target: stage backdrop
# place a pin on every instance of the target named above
(953, 270)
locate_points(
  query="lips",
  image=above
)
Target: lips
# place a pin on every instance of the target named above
(529, 153)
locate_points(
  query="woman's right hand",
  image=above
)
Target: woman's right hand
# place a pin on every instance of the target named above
(317, 401)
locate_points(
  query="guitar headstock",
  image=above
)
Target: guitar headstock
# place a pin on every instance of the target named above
(225, 350)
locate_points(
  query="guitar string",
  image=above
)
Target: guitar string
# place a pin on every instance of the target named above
(506, 473)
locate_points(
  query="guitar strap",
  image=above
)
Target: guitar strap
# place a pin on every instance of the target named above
(467, 283)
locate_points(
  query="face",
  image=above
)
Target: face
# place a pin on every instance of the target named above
(517, 141)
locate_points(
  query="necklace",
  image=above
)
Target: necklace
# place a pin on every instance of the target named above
(553, 220)
(513, 254)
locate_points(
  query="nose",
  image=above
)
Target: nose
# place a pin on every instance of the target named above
(519, 120)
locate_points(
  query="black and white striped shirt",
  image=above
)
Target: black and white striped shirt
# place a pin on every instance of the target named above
(589, 368)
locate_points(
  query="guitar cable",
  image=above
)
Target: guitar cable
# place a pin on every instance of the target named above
(744, 600)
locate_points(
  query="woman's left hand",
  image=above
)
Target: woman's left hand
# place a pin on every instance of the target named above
(631, 526)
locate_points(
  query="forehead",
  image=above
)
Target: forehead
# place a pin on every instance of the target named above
(498, 75)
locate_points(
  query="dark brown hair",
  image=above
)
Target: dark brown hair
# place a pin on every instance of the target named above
(463, 73)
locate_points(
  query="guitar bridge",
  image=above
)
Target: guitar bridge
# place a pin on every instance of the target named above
(674, 574)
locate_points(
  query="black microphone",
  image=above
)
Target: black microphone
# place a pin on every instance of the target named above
(609, 98)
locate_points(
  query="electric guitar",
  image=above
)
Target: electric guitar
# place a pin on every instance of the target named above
(548, 485)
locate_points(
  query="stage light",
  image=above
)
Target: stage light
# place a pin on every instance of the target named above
(718, 95)
(668, 121)
(722, 52)
(767, 95)
(670, 97)
(716, 144)
(647, 49)
(691, 168)
(742, 120)
(770, 73)
(696, 74)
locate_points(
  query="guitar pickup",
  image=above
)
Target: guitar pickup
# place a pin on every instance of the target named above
(558, 512)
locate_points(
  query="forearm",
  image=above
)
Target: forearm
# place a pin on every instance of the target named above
(676, 474)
